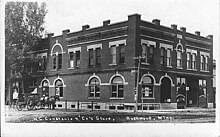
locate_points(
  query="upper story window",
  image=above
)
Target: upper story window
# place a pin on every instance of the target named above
(162, 56)
(74, 57)
(98, 56)
(168, 57)
(91, 57)
(57, 56)
(191, 58)
(113, 54)
(179, 52)
(188, 60)
(204, 61)
(165, 54)
(94, 54)
(148, 50)
(42, 61)
(122, 53)
(117, 52)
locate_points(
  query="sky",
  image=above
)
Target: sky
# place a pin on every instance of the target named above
(195, 15)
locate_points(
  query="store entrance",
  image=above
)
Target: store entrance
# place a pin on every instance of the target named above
(165, 90)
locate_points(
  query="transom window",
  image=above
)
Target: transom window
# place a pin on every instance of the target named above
(94, 88)
(117, 87)
(59, 88)
(147, 86)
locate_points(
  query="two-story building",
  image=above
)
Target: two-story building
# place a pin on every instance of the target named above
(97, 65)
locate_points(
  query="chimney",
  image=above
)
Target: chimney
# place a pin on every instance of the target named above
(85, 27)
(50, 35)
(210, 37)
(156, 21)
(66, 31)
(106, 23)
(183, 29)
(134, 17)
(174, 26)
(197, 33)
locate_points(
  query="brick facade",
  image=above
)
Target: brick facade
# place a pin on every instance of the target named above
(114, 70)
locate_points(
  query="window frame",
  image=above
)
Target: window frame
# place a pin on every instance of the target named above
(169, 57)
(149, 86)
(93, 87)
(118, 87)
(122, 53)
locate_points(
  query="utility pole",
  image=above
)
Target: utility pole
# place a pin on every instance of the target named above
(137, 85)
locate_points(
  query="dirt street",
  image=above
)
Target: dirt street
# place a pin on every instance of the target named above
(88, 116)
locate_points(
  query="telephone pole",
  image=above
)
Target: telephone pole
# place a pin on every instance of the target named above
(137, 84)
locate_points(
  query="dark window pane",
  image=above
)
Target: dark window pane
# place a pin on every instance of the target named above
(91, 58)
(59, 61)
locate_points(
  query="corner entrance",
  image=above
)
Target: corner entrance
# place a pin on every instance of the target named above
(165, 90)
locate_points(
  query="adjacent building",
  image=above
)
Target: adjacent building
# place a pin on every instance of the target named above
(98, 65)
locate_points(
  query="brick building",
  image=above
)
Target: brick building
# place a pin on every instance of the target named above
(97, 65)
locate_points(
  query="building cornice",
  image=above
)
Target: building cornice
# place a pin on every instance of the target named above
(198, 41)
(156, 30)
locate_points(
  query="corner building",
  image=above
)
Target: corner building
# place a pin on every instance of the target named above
(97, 65)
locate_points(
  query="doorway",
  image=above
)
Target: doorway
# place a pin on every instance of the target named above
(165, 90)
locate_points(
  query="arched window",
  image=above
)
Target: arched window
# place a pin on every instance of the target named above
(57, 53)
(59, 88)
(147, 86)
(94, 88)
(117, 87)
(45, 88)
(179, 51)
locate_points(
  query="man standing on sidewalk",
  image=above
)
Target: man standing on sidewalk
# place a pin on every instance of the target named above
(15, 96)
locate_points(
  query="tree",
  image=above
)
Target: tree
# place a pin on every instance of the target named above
(24, 27)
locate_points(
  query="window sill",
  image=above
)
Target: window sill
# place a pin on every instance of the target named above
(40, 70)
(53, 70)
(169, 67)
(179, 67)
(145, 63)
(147, 98)
(94, 98)
(116, 98)
(192, 69)
(112, 64)
(204, 71)
(71, 68)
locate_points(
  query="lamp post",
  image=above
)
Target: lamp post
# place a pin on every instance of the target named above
(137, 85)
